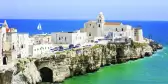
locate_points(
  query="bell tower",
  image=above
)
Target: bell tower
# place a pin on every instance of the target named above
(100, 24)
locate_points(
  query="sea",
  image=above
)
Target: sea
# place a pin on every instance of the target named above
(150, 70)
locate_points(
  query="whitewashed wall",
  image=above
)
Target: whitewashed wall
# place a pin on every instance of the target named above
(35, 50)
(1, 49)
(69, 38)
(23, 44)
(91, 29)
(40, 39)
(125, 29)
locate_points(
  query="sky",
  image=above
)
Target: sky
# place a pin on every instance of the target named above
(85, 9)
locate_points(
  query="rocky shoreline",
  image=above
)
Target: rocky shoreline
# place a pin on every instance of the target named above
(75, 62)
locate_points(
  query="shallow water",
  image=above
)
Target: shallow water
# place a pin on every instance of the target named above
(150, 70)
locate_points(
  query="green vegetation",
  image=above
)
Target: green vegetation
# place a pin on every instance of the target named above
(21, 63)
(138, 45)
(58, 53)
(96, 46)
(111, 47)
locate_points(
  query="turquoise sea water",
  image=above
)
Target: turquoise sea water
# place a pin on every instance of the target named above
(150, 70)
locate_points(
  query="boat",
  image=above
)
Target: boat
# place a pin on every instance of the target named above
(39, 27)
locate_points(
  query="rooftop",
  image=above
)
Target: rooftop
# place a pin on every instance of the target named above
(112, 23)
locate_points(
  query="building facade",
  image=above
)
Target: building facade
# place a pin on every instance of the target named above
(39, 49)
(13, 45)
(69, 37)
(138, 35)
(40, 39)
(100, 28)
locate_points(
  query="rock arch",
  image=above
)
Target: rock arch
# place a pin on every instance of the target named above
(120, 54)
(46, 74)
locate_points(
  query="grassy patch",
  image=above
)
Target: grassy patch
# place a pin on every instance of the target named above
(138, 45)
(96, 46)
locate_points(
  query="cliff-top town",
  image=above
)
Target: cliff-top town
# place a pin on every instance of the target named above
(54, 57)
(15, 45)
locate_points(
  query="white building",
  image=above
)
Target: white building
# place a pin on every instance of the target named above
(69, 37)
(39, 49)
(100, 28)
(40, 39)
(138, 33)
(12, 45)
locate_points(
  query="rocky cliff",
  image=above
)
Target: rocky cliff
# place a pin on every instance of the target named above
(74, 62)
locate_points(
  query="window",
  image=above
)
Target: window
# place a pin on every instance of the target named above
(99, 25)
(59, 38)
(100, 21)
(19, 56)
(13, 47)
(22, 46)
(92, 41)
(48, 39)
(90, 24)
(93, 26)
(65, 38)
(90, 34)
(122, 29)
(116, 29)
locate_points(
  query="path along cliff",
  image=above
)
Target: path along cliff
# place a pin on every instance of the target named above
(65, 64)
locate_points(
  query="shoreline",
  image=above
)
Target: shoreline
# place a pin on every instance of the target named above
(67, 64)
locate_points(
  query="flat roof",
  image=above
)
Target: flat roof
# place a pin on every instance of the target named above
(112, 23)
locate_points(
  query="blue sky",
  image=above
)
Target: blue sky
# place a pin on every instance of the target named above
(84, 9)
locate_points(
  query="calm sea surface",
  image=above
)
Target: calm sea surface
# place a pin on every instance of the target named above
(151, 70)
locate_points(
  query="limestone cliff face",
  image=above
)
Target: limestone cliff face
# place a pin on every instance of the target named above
(75, 62)
(25, 72)
(6, 77)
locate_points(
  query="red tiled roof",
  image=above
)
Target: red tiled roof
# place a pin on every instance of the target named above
(7, 30)
(112, 23)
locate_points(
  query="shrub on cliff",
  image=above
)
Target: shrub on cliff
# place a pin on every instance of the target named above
(96, 46)
(138, 45)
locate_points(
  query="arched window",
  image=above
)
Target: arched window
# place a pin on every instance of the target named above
(90, 34)
(122, 29)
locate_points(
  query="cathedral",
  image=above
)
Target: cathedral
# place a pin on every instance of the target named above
(118, 31)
